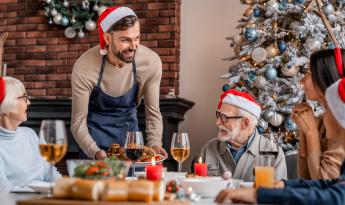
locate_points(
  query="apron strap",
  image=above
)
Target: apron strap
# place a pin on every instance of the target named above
(134, 66)
(101, 71)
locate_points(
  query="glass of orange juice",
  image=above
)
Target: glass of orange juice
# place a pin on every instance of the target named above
(264, 164)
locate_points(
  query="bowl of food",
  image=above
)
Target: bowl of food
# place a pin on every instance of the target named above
(97, 169)
(208, 187)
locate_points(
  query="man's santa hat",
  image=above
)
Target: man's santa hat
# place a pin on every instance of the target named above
(107, 19)
(242, 100)
(335, 96)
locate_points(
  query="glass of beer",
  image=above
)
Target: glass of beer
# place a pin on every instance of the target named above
(180, 148)
(53, 143)
(264, 165)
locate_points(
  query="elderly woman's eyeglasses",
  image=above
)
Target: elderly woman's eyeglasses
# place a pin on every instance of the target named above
(25, 97)
(224, 118)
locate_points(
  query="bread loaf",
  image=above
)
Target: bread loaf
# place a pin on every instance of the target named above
(159, 191)
(87, 189)
(63, 188)
(115, 191)
(141, 190)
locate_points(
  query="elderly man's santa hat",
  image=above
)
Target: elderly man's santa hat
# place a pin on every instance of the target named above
(107, 19)
(335, 96)
(242, 100)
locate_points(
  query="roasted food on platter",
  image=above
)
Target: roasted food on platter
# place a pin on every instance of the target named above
(120, 153)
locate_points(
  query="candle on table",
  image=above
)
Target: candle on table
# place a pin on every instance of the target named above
(154, 172)
(200, 169)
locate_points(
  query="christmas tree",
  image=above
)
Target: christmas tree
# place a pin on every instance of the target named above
(272, 51)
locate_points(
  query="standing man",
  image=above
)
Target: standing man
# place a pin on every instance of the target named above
(108, 82)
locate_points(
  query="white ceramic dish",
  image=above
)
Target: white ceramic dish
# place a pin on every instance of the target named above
(40, 186)
(208, 187)
(247, 184)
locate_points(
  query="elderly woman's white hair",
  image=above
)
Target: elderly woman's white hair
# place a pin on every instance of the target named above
(13, 89)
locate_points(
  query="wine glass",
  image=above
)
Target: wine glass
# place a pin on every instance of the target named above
(53, 143)
(180, 148)
(134, 146)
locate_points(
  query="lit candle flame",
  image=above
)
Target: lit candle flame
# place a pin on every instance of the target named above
(190, 190)
(200, 160)
(153, 161)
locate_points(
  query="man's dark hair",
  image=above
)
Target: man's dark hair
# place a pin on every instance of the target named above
(324, 69)
(124, 23)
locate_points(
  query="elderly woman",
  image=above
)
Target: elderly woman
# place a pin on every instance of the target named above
(20, 159)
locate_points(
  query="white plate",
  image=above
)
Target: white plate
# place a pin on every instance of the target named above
(40, 186)
(247, 184)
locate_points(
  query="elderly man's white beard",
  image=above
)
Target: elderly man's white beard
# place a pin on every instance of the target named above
(224, 134)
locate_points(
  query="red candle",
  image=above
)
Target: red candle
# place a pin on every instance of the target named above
(154, 172)
(200, 169)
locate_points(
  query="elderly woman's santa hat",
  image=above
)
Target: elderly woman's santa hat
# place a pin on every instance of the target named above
(107, 19)
(242, 100)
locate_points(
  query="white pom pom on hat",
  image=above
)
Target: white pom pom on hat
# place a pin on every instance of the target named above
(335, 96)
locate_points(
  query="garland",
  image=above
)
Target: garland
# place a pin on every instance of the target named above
(73, 15)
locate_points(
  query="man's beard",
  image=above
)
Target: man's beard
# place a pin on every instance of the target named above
(230, 135)
(120, 54)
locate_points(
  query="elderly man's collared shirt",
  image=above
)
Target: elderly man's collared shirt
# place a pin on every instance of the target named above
(237, 153)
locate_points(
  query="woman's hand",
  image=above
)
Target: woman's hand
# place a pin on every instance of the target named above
(246, 195)
(304, 117)
(279, 184)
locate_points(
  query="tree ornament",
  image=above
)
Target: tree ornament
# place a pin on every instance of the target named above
(251, 34)
(276, 119)
(267, 115)
(248, 12)
(50, 21)
(289, 70)
(86, 4)
(262, 124)
(259, 55)
(272, 51)
(282, 46)
(73, 20)
(57, 19)
(90, 25)
(53, 12)
(327, 8)
(313, 44)
(256, 12)
(70, 32)
(226, 87)
(270, 73)
(260, 82)
(101, 9)
(64, 21)
(252, 76)
(331, 45)
(290, 125)
(95, 7)
(65, 3)
(299, 1)
(270, 7)
(48, 1)
(81, 34)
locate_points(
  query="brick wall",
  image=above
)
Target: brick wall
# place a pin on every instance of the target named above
(41, 56)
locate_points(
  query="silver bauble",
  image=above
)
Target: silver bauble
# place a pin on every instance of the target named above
(260, 82)
(48, 1)
(53, 12)
(259, 55)
(289, 70)
(270, 7)
(270, 73)
(101, 9)
(328, 8)
(313, 44)
(50, 21)
(95, 7)
(90, 25)
(290, 125)
(238, 39)
(64, 21)
(276, 119)
(81, 34)
(57, 19)
(271, 51)
(262, 123)
(70, 32)
(73, 20)
(267, 115)
(65, 3)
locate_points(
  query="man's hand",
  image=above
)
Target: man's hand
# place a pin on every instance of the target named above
(160, 150)
(247, 195)
(100, 155)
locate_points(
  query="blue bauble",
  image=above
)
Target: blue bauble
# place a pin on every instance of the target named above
(270, 73)
(251, 34)
(256, 12)
(331, 46)
(64, 21)
(299, 1)
(226, 87)
(282, 46)
(261, 130)
(282, 6)
(290, 125)
(252, 76)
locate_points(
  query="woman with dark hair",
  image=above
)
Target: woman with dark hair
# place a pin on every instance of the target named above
(307, 191)
(319, 156)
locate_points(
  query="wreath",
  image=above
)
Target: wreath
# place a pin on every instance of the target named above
(73, 15)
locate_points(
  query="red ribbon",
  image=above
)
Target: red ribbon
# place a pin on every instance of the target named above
(339, 61)
(341, 89)
(2, 90)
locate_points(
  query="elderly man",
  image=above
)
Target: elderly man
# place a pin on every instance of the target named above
(237, 144)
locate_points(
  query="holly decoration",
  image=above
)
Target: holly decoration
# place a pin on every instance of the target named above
(74, 15)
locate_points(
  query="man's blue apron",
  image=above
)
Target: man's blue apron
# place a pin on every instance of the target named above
(109, 118)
